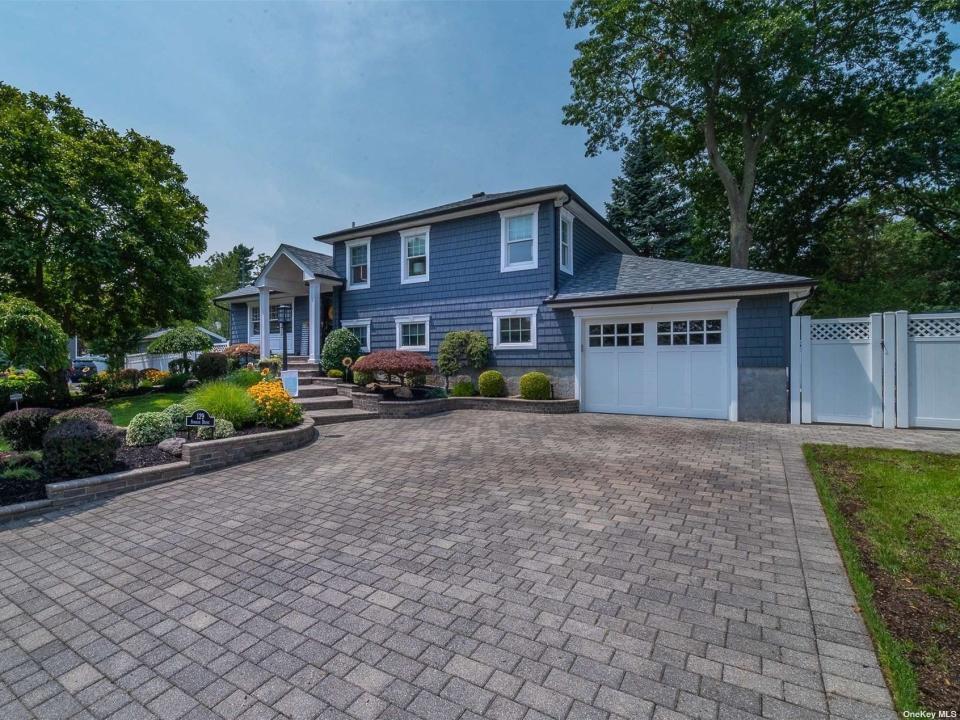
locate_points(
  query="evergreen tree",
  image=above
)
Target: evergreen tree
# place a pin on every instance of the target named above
(648, 207)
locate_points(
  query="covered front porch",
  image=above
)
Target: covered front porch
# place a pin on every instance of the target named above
(302, 280)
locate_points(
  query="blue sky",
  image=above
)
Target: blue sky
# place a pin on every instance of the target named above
(296, 119)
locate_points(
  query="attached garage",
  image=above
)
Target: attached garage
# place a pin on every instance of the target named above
(674, 360)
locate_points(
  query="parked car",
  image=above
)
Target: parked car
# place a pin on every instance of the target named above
(85, 365)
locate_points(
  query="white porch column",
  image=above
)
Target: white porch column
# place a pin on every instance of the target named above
(264, 323)
(314, 321)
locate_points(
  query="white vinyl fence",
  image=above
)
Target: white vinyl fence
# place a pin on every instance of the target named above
(142, 361)
(885, 370)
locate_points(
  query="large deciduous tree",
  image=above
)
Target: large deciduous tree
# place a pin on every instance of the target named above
(724, 82)
(97, 227)
(226, 271)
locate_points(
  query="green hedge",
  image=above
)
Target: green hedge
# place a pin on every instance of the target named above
(535, 386)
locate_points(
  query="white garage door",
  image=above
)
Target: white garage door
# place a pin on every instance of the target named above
(657, 366)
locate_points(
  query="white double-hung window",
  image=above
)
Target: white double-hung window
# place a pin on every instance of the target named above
(518, 238)
(566, 241)
(360, 328)
(413, 333)
(514, 328)
(415, 255)
(358, 264)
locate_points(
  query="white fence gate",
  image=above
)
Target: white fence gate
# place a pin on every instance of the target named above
(885, 370)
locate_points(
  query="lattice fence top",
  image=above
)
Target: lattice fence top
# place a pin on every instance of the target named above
(840, 330)
(934, 327)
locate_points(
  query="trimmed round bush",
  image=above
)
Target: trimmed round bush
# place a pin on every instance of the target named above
(221, 429)
(79, 448)
(177, 414)
(223, 400)
(339, 344)
(491, 384)
(24, 429)
(82, 413)
(535, 386)
(335, 373)
(463, 388)
(149, 428)
(210, 366)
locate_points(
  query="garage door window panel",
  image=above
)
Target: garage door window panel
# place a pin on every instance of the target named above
(690, 332)
(615, 335)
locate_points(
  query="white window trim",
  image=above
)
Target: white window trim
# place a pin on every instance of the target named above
(250, 310)
(514, 212)
(425, 319)
(499, 313)
(351, 244)
(565, 216)
(405, 279)
(364, 323)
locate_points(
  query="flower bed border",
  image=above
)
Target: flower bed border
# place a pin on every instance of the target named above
(398, 409)
(198, 457)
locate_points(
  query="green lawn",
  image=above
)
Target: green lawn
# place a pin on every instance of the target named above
(896, 517)
(123, 409)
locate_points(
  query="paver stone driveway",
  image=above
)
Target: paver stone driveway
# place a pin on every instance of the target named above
(500, 565)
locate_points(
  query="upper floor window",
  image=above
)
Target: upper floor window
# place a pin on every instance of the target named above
(518, 239)
(358, 264)
(566, 241)
(413, 333)
(415, 255)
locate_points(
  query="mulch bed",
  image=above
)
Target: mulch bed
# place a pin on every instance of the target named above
(911, 614)
(131, 458)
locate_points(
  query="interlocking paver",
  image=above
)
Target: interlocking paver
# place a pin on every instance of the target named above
(464, 565)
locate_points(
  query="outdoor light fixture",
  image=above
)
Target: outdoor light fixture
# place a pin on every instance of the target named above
(284, 316)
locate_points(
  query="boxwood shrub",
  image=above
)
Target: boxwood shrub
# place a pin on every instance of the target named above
(463, 388)
(149, 428)
(339, 344)
(210, 366)
(221, 429)
(24, 429)
(535, 386)
(79, 448)
(177, 414)
(491, 384)
(82, 413)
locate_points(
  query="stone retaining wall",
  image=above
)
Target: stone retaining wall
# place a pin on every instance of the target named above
(197, 458)
(395, 409)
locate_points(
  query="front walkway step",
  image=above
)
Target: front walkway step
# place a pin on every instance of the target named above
(331, 417)
(313, 391)
(323, 403)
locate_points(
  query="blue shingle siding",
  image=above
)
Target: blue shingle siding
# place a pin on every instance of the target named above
(465, 285)
(763, 331)
(238, 323)
(586, 246)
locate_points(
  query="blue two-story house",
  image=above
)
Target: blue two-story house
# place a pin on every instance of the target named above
(555, 289)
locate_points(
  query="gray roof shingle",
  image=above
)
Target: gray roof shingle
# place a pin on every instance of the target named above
(319, 263)
(616, 275)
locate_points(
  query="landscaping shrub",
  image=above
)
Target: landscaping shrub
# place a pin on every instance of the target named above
(152, 377)
(82, 413)
(463, 388)
(535, 386)
(394, 363)
(177, 414)
(27, 382)
(221, 429)
(210, 366)
(242, 353)
(20, 478)
(24, 429)
(244, 378)
(462, 349)
(149, 428)
(93, 384)
(335, 373)
(224, 400)
(180, 365)
(339, 344)
(175, 382)
(492, 384)
(415, 379)
(358, 376)
(275, 407)
(79, 448)
(271, 365)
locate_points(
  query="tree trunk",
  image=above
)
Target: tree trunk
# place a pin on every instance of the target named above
(741, 236)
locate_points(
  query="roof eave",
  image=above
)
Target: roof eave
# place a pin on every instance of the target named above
(586, 300)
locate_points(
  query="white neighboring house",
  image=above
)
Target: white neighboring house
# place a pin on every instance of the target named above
(141, 360)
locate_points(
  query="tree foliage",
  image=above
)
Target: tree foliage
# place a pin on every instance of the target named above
(32, 339)
(722, 83)
(648, 205)
(182, 339)
(395, 364)
(97, 227)
(226, 271)
(460, 349)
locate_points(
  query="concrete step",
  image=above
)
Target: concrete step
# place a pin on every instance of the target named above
(332, 417)
(323, 403)
(314, 391)
(308, 374)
